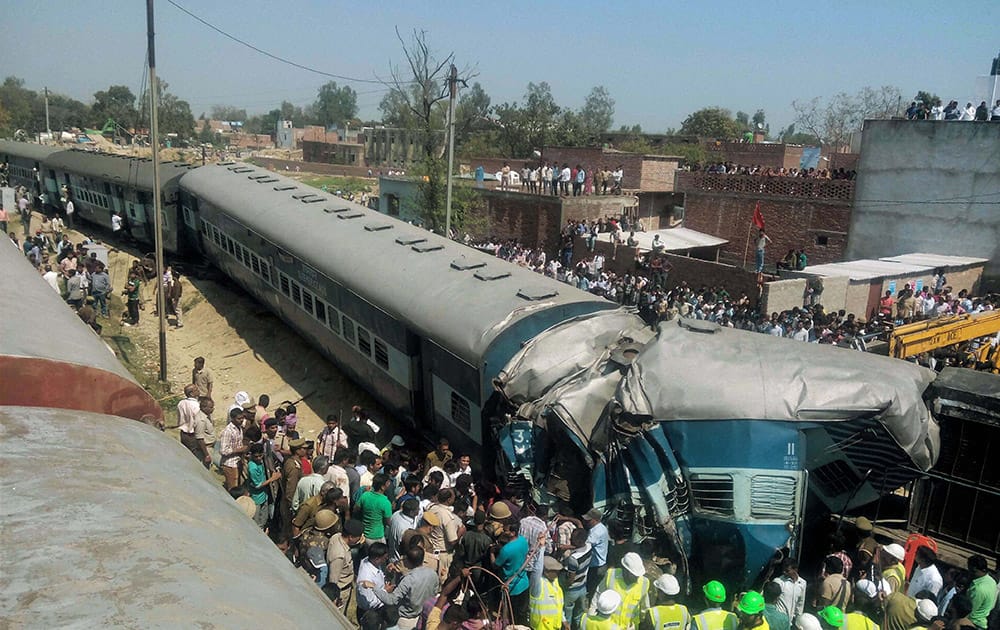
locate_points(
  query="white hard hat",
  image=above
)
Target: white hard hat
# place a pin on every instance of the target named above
(926, 610)
(896, 551)
(806, 621)
(667, 584)
(633, 564)
(608, 602)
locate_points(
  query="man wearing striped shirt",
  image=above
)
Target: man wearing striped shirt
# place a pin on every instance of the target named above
(577, 564)
(187, 410)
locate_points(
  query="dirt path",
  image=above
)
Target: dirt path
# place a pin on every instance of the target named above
(246, 347)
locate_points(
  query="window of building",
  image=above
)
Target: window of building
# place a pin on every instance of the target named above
(381, 354)
(364, 342)
(822, 239)
(460, 412)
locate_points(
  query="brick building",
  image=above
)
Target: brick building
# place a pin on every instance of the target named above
(753, 154)
(642, 172)
(809, 214)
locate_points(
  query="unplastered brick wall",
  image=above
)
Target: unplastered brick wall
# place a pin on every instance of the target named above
(815, 226)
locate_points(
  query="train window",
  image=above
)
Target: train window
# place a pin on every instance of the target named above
(320, 310)
(204, 227)
(307, 301)
(460, 412)
(713, 493)
(217, 236)
(381, 354)
(284, 284)
(255, 263)
(296, 293)
(364, 342)
(348, 330)
(231, 246)
(333, 320)
(265, 271)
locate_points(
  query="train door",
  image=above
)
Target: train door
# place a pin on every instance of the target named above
(51, 188)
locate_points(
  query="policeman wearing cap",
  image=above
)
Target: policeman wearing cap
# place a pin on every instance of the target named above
(667, 614)
(713, 617)
(313, 545)
(545, 605)
(631, 583)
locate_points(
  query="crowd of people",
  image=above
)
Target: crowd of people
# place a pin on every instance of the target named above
(408, 538)
(549, 178)
(729, 168)
(952, 111)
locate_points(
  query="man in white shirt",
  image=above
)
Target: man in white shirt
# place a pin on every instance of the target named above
(51, 277)
(70, 210)
(370, 577)
(564, 176)
(310, 485)
(926, 576)
(187, 409)
(793, 590)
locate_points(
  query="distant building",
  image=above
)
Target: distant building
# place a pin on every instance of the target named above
(394, 147)
(642, 172)
(284, 137)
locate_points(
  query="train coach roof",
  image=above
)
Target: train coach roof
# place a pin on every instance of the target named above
(458, 296)
(53, 358)
(109, 523)
(130, 171)
(696, 370)
(29, 150)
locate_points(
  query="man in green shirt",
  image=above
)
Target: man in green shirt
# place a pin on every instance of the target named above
(982, 591)
(374, 509)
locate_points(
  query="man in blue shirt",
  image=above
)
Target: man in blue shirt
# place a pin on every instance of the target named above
(512, 562)
(598, 539)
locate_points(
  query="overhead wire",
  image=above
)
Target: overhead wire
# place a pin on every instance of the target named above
(274, 56)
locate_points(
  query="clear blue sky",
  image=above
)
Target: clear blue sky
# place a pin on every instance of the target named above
(660, 60)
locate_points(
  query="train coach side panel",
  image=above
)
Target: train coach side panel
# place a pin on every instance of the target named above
(50, 358)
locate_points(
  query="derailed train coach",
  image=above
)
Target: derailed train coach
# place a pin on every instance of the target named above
(712, 442)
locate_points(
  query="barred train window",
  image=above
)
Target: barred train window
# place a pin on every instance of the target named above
(381, 354)
(364, 342)
(460, 412)
(348, 330)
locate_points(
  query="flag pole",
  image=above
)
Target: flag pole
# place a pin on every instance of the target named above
(746, 250)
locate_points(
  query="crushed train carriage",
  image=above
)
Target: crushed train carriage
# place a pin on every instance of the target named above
(710, 440)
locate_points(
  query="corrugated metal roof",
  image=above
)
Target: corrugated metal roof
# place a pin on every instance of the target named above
(129, 171)
(404, 270)
(935, 260)
(110, 523)
(674, 239)
(866, 269)
(29, 150)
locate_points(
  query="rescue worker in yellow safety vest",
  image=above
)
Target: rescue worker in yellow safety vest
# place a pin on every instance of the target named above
(631, 583)
(866, 607)
(606, 606)
(667, 614)
(891, 561)
(546, 599)
(750, 612)
(713, 617)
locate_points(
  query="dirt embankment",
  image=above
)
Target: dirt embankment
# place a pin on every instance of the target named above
(246, 347)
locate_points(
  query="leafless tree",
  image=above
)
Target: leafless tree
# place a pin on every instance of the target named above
(843, 114)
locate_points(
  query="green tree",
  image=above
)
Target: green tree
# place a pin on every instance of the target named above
(472, 114)
(25, 110)
(931, 99)
(118, 103)
(711, 122)
(66, 113)
(173, 114)
(205, 136)
(597, 114)
(335, 105)
(429, 202)
(227, 112)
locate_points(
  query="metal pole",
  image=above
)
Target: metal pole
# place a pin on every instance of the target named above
(453, 83)
(48, 127)
(161, 306)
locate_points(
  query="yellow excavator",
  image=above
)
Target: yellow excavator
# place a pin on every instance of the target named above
(975, 337)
